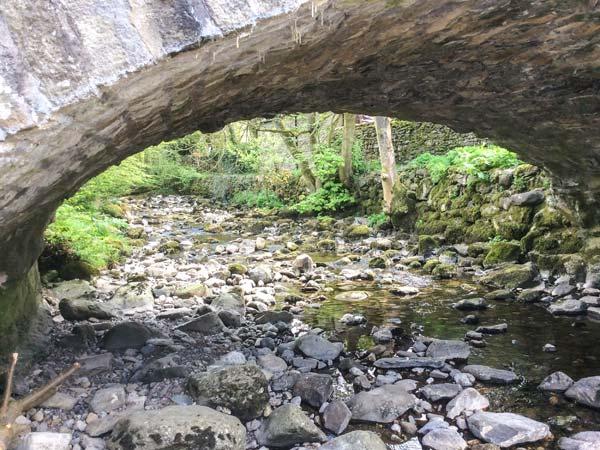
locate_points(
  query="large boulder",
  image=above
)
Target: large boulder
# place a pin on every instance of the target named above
(241, 388)
(319, 348)
(182, 427)
(510, 276)
(82, 309)
(287, 426)
(381, 405)
(127, 335)
(586, 391)
(356, 440)
(506, 429)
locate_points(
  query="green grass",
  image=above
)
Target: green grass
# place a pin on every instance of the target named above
(89, 226)
(475, 161)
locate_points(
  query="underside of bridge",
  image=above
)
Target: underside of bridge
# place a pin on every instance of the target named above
(85, 84)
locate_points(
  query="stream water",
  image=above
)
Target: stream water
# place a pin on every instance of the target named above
(530, 327)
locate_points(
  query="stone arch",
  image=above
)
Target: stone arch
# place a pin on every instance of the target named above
(85, 85)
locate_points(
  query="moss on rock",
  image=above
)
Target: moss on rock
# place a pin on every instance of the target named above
(427, 244)
(510, 276)
(358, 231)
(237, 268)
(19, 307)
(501, 252)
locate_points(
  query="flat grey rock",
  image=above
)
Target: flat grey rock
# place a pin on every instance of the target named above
(45, 441)
(506, 429)
(444, 439)
(448, 350)
(409, 363)
(491, 375)
(198, 426)
(568, 307)
(356, 440)
(381, 405)
(440, 392)
(314, 346)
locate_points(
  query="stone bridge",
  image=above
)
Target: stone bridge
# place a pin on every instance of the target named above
(86, 83)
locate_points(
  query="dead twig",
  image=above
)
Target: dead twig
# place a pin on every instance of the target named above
(11, 409)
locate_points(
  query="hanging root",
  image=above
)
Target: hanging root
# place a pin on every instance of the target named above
(10, 410)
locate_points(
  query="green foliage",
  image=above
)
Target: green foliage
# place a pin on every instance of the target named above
(167, 170)
(88, 235)
(473, 161)
(331, 197)
(519, 183)
(260, 199)
(376, 220)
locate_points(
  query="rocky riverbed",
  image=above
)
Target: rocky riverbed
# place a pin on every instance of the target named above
(236, 329)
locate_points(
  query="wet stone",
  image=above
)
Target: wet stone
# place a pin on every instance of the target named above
(470, 304)
(490, 374)
(585, 391)
(493, 329)
(556, 382)
(448, 350)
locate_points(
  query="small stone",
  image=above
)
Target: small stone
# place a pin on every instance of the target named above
(108, 399)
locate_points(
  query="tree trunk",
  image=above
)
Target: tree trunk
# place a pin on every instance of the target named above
(388, 161)
(347, 144)
(292, 145)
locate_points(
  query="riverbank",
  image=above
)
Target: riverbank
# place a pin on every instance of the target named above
(246, 313)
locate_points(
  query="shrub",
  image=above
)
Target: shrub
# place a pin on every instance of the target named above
(260, 199)
(475, 161)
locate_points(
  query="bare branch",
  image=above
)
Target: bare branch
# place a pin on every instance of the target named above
(44, 393)
(9, 382)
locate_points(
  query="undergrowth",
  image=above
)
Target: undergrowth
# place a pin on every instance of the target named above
(474, 161)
